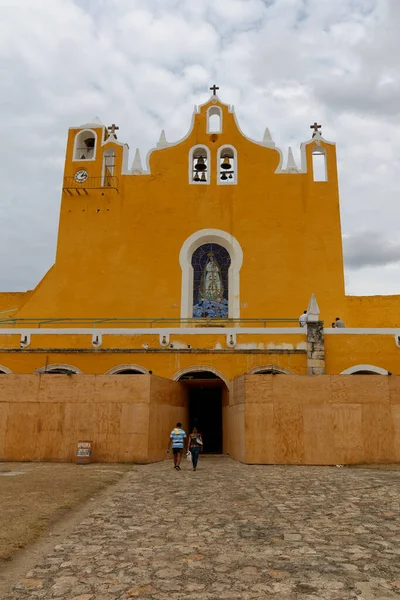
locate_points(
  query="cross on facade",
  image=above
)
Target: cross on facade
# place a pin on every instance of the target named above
(315, 126)
(214, 89)
(112, 128)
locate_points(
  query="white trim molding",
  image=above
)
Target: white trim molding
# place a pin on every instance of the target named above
(117, 370)
(5, 370)
(192, 151)
(77, 137)
(233, 150)
(227, 241)
(198, 368)
(214, 110)
(372, 368)
(55, 366)
(274, 368)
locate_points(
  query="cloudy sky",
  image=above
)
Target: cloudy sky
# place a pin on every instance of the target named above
(144, 63)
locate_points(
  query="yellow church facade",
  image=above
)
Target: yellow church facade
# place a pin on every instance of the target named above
(195, 265)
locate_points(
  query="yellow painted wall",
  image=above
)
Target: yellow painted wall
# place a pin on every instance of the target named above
(118, 256)
(345, 351)
(164, 364)
(118, 252)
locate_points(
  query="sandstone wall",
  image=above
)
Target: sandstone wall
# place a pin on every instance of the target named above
(337, 419)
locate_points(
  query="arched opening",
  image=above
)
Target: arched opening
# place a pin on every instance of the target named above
(127, 369)
(365, 370)
(4, 370)
(214, 120)
(210, 264)
(227, 241)
(227, 165)
(320, 172)
(59, 369)
(199, 165)
(85, 145)
(269, 370)
(207, 393)
(108, 166)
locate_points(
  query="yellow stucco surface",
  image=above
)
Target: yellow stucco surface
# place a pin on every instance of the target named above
(118, 257)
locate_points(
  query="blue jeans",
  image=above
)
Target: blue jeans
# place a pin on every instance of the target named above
(195, 456)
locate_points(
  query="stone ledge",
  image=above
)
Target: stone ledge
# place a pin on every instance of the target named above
(142, 351)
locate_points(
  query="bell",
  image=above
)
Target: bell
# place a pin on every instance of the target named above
(203, 177)
(224, 176)
(230, 176)
(226, 164)
(200, 165)
(196, 177)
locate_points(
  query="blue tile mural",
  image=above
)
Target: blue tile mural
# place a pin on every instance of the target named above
(210, 282)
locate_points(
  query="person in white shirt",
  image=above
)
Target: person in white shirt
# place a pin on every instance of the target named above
(303, 319)
(339, 322)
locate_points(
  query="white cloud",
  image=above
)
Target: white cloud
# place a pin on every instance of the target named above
(145, 64)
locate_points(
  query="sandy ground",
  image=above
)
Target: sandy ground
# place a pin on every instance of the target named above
(31, 502)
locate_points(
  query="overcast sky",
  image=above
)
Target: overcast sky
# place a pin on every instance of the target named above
(143, 64)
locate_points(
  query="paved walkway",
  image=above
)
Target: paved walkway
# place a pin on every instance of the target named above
(231, 531)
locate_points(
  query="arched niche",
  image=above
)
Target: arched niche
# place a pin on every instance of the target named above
(85, 145)
(227, 241)
(214, 119)
(199, 165)
(227, 165)
(319, 164)
(59, 369)
(127, 369)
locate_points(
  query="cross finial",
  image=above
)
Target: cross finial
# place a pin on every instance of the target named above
(315, 126)
(214, 89)
(113, 128)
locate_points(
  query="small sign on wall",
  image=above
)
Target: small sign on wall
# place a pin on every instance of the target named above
(84, 452)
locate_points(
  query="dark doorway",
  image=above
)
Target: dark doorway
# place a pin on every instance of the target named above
(205, 408)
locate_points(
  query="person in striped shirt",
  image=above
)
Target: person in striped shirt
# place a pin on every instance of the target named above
(177, 439)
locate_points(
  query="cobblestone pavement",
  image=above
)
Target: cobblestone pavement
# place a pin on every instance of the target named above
(231, 531)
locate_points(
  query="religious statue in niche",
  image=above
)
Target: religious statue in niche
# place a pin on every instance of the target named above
(211, 302)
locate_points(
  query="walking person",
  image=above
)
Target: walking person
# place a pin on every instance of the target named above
(177, 439)
(195, 446)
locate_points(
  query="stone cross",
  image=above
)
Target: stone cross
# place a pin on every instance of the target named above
(112, 129)
(214, 89)
(315, 127)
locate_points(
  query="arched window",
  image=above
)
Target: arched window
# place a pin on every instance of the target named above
(214, 120)
(4, 370)
(128, 369)
(270, 370)
(108, 166)
(59, 369)
(365, 370)
(189, 247)
(199, 165)
(227, 165)
(85, 145)
(320, 172)
(210, 264)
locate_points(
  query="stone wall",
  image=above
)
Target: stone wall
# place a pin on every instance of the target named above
(267, 419)
(331, 419)
(128, 417)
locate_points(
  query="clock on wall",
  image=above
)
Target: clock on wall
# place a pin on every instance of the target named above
(81, 176)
